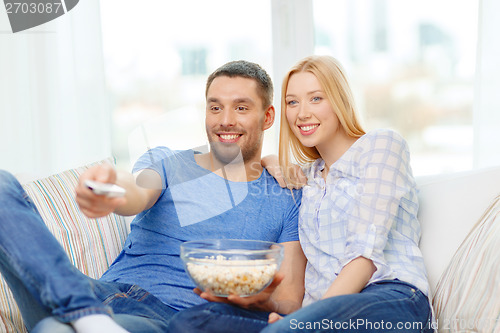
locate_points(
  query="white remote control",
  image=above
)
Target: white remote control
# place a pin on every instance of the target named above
(109, 190)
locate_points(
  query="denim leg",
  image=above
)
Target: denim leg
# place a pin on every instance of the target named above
(387, 306)
(132, 323)
(218, 317)
(134, 308)
(32, 311)
(35, 265)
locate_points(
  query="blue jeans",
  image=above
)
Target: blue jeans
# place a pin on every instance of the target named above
(218, 317)
(386, 306)
(48, 289)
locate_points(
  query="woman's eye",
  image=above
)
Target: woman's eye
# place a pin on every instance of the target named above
(291, 102)
(316, 99)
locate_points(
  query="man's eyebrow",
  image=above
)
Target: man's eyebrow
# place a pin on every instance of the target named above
(244, 100)
(235, 101)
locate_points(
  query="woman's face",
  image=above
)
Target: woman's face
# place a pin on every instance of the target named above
(309, 113)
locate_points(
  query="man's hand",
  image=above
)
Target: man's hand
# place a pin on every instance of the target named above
(91, 204)
(262, 301)
(273, 317)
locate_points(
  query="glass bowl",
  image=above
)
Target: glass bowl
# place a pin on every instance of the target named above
(231, 266)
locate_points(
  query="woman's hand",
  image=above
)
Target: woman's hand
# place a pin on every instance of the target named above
(262, 301)
(272, 166)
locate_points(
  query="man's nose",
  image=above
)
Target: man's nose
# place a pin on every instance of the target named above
(228, 118)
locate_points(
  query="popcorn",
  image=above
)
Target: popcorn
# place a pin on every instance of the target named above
(222, 276)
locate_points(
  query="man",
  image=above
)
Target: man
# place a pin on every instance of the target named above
(177, 196)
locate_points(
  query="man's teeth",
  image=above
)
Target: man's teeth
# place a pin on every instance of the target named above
(229, 136)
(308, 128)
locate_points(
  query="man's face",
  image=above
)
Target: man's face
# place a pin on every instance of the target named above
(235, 119)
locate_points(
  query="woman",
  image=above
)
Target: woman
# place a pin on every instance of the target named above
(358, 222)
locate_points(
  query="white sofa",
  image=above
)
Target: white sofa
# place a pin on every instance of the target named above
(450, 207)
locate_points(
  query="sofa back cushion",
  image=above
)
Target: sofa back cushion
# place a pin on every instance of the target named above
(450, 205)
(91, 244)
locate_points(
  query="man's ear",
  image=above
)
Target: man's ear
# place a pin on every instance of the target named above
(269, 117)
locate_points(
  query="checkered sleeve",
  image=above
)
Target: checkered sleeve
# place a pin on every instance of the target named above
(385, 178)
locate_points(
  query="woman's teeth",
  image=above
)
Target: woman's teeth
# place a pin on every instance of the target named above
(308, 128)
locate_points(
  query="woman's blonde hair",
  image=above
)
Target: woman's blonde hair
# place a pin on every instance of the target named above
(332, 79)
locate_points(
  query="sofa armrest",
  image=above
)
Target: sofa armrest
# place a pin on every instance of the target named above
(91, 244)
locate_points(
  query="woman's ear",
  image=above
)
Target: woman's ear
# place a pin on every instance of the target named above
(269, 117)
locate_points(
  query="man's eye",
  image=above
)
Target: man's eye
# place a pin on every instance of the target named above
(215, 108)
(241, 108)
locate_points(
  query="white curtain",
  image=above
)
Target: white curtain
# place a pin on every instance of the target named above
(53, 109)
(487, 92)
(293, 39)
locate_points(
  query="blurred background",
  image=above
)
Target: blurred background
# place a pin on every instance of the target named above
(114, 77)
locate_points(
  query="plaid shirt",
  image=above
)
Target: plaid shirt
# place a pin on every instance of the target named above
(366, 207)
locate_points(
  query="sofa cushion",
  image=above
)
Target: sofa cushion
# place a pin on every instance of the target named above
(91, 244)
(466, 297)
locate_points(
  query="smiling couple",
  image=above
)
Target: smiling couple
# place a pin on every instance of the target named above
(357, 251)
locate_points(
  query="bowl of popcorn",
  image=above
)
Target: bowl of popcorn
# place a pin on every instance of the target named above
(231, 266)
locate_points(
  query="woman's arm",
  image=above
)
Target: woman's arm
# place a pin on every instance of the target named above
(352, 278)
(385, 197)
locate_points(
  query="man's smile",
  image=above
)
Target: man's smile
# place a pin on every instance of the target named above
(229, 137)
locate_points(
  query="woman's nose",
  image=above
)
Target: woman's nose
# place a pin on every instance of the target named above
(304, 112)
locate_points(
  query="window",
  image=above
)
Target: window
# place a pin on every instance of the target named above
(158, 55)
(411, 65)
